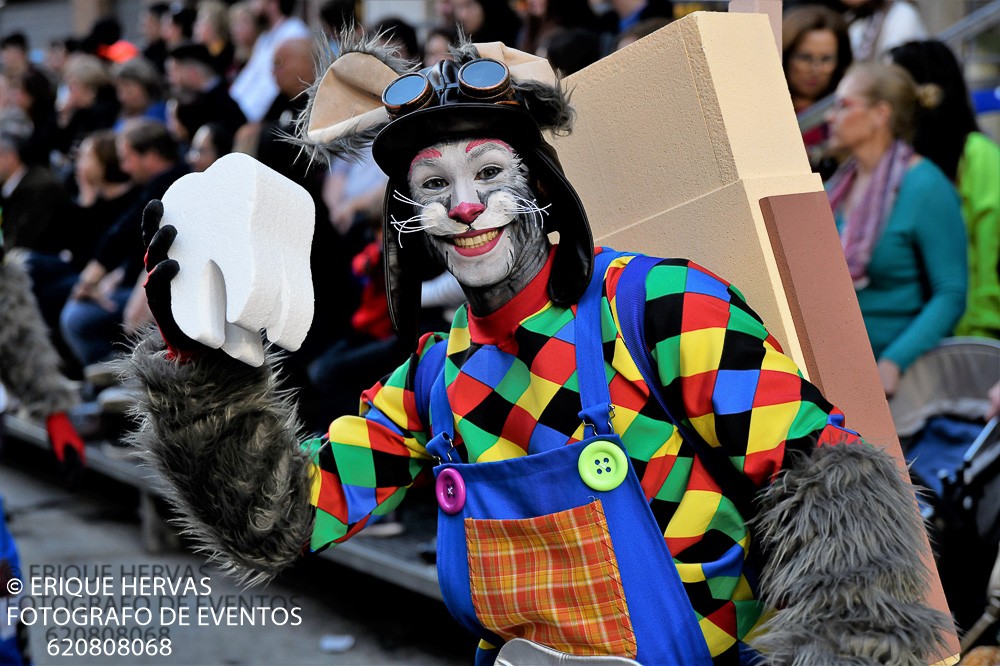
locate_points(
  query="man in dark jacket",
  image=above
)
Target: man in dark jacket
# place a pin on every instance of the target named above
(33, 204)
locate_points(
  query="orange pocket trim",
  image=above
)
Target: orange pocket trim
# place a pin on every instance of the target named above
(553, 580)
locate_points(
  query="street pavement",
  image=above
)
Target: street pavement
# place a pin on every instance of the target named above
(84, 550)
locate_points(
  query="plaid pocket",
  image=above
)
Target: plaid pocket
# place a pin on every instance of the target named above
(553, 580)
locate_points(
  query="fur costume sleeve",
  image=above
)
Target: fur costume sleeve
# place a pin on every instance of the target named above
(225, 439)
(844, 570)
(29, 364)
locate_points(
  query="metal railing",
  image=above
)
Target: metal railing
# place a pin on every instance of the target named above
(972, 25)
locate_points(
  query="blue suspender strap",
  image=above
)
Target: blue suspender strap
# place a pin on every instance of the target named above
(427, 373)
(594, 395)
(430, 382)
(630, 300)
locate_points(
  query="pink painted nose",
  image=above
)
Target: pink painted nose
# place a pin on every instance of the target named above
(466, 212)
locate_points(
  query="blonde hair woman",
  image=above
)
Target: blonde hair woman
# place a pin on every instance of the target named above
(898, 216)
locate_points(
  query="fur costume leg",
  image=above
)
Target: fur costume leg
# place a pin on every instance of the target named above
(843, 545)
(29, 364)
(224, 437)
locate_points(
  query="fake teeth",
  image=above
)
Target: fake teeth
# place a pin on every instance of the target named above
(476, 241)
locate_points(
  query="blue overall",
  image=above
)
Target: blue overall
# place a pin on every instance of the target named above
(10, 650)
(665, 627)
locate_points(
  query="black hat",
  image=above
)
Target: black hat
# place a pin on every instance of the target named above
(353, 87)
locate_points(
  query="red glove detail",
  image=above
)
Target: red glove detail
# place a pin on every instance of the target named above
(63, 436)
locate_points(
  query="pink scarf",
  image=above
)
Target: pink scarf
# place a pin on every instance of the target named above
(864, 226)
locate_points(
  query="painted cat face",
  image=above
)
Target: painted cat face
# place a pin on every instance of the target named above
(480, 217)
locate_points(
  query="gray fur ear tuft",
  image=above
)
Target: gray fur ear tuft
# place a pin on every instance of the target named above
(374, 45)
(349, 147)
(464, 50)
(548, 105)
(313, 132)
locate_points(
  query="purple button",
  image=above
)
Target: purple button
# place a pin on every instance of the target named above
(450, 488)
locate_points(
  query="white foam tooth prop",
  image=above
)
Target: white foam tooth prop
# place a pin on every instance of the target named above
(292, 324)
(244, 234)
(287, 326)
(297, 278)
(214, 332)
(243, 345)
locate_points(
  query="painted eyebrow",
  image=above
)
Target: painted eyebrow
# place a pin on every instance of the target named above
(427, 153)
(484, 147)
(478, 142)
(424, 156)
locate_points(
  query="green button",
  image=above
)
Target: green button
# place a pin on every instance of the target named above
(603, 465)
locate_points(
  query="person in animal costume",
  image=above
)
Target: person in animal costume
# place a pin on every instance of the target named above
(628, 468)
(29, 369)
(29, 364)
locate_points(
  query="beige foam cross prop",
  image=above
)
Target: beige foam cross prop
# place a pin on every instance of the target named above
(686, 145)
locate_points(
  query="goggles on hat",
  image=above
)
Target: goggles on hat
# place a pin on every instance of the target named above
(480, 80)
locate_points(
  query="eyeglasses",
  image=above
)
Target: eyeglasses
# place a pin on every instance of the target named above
(809, 60)
(482, 80)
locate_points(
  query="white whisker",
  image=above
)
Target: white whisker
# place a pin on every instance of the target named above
(406, 226)
(525, 209)
(529, 208)
(399, 196)
(529, 205)
(409, 225)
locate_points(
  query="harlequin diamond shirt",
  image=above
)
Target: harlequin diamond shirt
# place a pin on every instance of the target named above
(512, 386)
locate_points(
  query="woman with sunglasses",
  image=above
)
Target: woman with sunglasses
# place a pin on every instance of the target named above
(898, 217)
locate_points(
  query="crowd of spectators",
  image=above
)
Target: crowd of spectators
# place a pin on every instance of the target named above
(100, 125)
(913, 182)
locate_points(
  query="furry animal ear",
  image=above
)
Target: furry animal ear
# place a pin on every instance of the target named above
(534, 78)
(350, 90)
(345, 109)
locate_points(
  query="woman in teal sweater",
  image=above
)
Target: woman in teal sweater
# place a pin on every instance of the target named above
(899, 219)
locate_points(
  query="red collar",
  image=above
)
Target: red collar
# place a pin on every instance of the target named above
(498, 327)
